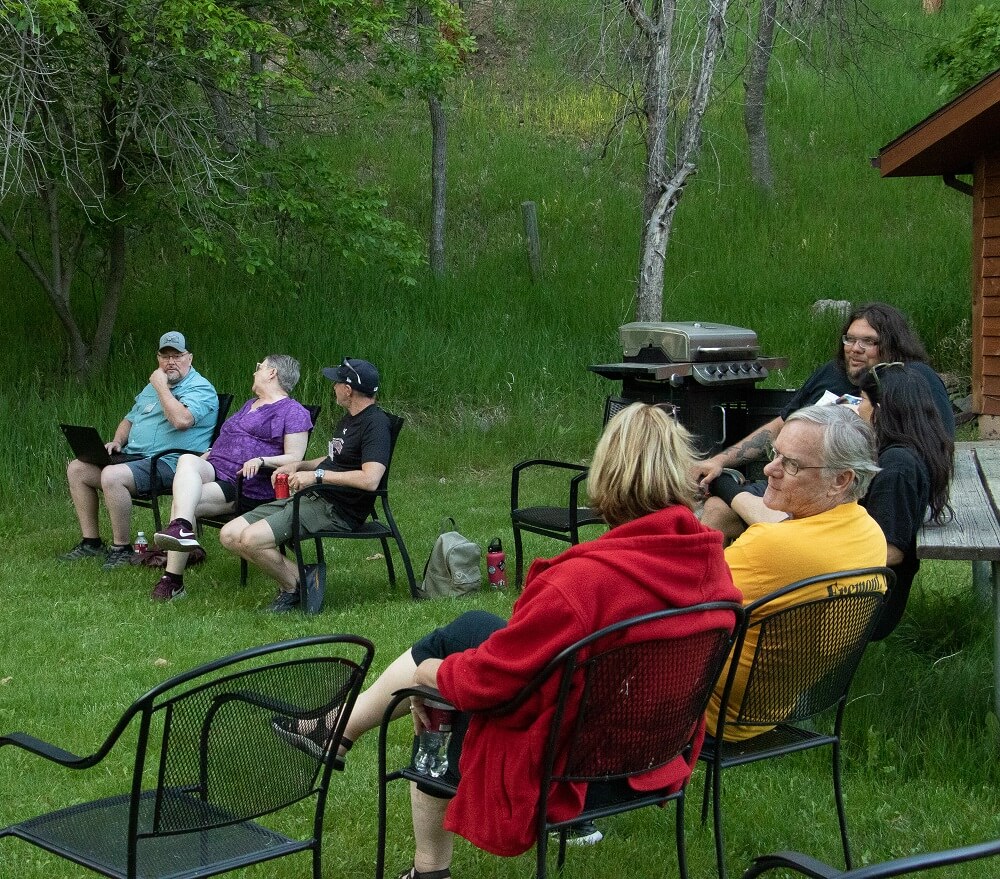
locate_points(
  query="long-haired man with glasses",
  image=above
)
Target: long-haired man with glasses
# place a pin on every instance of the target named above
(358, 457)
(873, 333)
(177, 409)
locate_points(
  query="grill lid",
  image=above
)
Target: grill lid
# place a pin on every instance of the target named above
(687, 341)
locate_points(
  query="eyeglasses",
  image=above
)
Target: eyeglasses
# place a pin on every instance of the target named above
(176, 357)
(864, 343)
(670, 408)
(875, 370)
(790, 465)
(261, 365)
(347, 365)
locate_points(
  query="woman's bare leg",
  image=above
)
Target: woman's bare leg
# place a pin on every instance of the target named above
(434, 844)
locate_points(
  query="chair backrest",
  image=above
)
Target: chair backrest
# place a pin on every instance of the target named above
(314, 413)
(207, 755)
(807, 641)
(395, 426)
(642, 686)
(614, 405)
(225, 404)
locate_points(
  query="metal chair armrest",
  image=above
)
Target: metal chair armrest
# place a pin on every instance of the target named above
(164, 452)
(809, 866)
(154, 460)
(242, 505)
(51, 752)
(419, 690)
(800, 863)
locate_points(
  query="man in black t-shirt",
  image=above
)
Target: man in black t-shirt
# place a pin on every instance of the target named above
(358, 457)
(873, 333)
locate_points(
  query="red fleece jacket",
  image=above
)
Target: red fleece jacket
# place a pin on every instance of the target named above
(666, 559)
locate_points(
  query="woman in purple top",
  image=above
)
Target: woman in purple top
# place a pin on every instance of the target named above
(270, 430)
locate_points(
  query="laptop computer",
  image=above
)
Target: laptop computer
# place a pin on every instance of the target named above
(88, 446)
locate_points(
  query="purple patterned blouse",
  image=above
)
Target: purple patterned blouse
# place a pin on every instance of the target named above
(254, 433)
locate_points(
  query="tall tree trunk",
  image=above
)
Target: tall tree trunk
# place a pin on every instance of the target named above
(56, 281)
(114, 285)
(261, 124)
(755, 102)
(439, 183)
(667, 170)
(657, 214)
(116, 50)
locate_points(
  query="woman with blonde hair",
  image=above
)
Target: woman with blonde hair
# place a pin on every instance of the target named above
(656, 555)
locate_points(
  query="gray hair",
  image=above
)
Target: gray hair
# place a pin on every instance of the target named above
(848, 443)
(286, 370)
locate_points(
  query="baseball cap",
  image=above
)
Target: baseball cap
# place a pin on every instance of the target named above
(174, 340)
(359, 374)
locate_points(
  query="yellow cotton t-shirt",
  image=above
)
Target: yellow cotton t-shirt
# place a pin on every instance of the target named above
(771, 555)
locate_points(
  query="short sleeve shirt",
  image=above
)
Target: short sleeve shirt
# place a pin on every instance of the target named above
(770, 555)
(831, 376)
(151, 432)
(358, 439)
(253, 433)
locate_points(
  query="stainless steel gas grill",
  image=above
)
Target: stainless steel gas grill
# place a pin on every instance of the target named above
(708, 371)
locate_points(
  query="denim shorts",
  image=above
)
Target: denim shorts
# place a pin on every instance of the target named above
(141, 470)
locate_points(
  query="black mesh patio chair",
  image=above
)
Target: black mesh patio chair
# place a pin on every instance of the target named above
(244, 504)
(802, 665)
(210, 781)
(151, 500)
(376, 527)
(640, 709)
(562, 521)
(908, 866)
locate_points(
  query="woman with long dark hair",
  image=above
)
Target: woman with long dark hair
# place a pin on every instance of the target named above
(916, 454)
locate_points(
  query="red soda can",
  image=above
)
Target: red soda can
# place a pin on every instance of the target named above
(281, 486)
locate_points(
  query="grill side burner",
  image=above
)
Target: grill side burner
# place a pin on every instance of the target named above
(708, 371)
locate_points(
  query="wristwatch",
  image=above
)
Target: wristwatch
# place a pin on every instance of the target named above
(320, 473)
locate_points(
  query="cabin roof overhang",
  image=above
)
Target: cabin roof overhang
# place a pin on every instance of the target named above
(950, 140)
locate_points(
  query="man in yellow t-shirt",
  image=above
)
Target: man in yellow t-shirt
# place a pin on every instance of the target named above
(822, 461)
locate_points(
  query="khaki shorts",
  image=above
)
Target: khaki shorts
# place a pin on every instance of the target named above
(315, 514)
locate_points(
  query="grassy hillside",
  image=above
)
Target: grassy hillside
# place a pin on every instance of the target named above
(486, 351)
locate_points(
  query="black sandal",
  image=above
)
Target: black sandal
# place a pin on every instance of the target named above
(413, 873)
(314, 743)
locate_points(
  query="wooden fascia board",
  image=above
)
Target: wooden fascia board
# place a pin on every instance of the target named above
(950, 139)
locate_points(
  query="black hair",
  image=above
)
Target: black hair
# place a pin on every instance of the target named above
(905, 415)
(896, 338)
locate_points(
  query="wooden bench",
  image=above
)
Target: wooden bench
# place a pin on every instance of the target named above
(973, 533)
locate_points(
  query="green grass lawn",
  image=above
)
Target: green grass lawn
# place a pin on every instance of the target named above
(79, 644)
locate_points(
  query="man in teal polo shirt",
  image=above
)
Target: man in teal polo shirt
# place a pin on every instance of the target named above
(177, 409)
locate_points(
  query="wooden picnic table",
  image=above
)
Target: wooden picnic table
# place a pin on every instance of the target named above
(973, 534)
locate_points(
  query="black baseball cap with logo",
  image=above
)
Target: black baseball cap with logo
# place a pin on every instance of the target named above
(359, 374)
